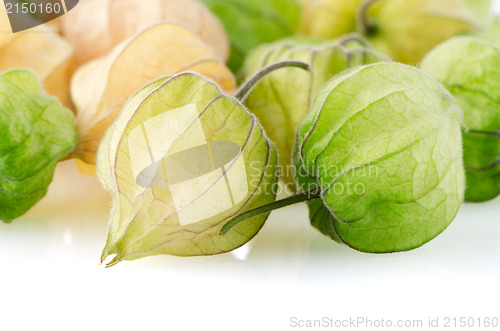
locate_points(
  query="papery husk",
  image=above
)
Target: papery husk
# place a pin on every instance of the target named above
(179, 207)
(95, 27)
(328, 18)
(42, 50)
(100, 88)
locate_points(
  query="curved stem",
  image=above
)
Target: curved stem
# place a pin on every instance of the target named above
(487, 133)
(364, 25)
(252, 81)
(306, 196)
(344, 40)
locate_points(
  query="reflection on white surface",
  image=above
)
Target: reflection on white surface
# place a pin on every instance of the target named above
(68, 237)
(288, 269)
(50, 277)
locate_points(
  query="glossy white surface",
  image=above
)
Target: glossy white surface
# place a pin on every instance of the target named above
(51, 278)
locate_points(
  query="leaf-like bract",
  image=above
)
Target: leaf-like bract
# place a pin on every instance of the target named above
(35, 133)
(282, 98)
(470, 69)
(181, 160)
(383, 144)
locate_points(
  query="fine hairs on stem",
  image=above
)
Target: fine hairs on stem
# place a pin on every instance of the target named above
(245, 89)
(301, 197)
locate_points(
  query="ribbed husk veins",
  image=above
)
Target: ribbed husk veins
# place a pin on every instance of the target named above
(470, 69)
(181, 160)
(282, 99)
(36, 132)
(383, 144)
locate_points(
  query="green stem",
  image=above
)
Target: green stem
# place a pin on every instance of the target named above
(364, 26)
(306, 196)
(344, 40)
(252, 81)
(487, 133)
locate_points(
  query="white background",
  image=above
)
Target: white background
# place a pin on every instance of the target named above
(50, 277)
